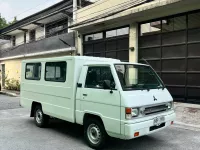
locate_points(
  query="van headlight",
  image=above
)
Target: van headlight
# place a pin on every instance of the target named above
(131, 112)
(170, 105)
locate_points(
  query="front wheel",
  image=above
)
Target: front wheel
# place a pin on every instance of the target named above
(95, 134)
(41, 120)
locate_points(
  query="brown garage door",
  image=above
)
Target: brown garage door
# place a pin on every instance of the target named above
(111, 44)
(172, 46)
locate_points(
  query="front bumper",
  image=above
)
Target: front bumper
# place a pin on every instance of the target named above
(144, 127)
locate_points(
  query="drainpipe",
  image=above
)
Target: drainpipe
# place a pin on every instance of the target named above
(74, 9)
(75, 6)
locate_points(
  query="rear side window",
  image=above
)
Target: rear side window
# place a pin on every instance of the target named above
(55, 71)
(33, 71)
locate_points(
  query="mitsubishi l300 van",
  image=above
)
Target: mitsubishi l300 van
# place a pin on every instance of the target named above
(108, 97)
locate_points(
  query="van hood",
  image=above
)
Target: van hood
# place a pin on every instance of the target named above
(140, 98)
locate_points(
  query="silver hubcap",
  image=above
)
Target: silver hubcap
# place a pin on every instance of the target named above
(39, 116)
(94, 134)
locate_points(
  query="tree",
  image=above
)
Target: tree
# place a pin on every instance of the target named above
(12, 22)
(3, 22)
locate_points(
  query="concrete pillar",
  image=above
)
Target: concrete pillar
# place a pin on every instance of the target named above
(133, 43)
(79, 45)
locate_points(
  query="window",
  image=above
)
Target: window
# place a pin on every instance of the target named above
(151, 28)
(32, 35)
(55, 71)
(117, 32)
(57, 28)
(194, 20)
(174, 24)
(24, 37)
(96, 77)
(33, 71)
(96, 36)
(14, 41)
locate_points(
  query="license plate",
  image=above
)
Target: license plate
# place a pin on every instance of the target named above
(158, 120)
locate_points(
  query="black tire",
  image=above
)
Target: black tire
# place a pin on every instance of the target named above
(44, 119)
(103, 135)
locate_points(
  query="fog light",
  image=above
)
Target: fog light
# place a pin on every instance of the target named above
(136, 134)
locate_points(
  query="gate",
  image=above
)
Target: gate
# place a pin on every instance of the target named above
(172, 46)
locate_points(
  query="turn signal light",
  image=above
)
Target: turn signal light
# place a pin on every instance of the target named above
(128, 110)
(136, 134)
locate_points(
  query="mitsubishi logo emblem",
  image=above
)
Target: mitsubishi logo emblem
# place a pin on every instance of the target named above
(154, 98)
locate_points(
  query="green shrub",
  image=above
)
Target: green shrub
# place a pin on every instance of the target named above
(12, 84)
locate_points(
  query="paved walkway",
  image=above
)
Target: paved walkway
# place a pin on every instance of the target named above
(10, 92)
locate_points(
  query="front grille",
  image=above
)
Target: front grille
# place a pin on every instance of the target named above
(155, 109)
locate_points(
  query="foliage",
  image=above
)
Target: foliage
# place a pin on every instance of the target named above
(4, 23)
(12, 84)
(14, 21)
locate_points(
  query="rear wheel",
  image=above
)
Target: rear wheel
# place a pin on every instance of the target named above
(94, 133)
(41, 120)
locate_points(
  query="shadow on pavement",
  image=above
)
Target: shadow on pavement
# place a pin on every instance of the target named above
(75, 132)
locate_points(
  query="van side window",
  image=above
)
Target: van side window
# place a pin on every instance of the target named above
(55, 71)
(96, 76)
(33, 71)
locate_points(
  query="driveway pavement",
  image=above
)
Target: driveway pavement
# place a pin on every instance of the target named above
(18, 132)
(7, 102)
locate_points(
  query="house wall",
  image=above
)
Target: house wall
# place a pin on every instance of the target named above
(39, 33)
(19, 38)
(105, 6)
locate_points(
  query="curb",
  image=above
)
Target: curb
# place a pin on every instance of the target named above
(9, 94)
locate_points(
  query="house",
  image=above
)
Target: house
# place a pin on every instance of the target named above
(166, 33)
(43, 34)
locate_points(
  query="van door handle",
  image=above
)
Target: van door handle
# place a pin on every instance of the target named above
(84, 94)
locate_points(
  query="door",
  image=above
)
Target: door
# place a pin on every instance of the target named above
(101, 100)
(3, 75)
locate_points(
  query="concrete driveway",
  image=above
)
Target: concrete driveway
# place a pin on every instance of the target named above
(18, 132)
(7, 102)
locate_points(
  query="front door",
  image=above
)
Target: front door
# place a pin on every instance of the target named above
(3, 75)
(101, 100)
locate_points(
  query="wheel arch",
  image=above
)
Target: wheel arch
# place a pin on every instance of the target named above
(34, 104)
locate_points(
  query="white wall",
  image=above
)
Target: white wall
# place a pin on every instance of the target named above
(39, 33)
(19, 38)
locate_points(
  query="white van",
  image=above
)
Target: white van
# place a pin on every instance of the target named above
(108, 97)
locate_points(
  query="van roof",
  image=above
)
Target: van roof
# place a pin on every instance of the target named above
(88, 58)
(91, 63)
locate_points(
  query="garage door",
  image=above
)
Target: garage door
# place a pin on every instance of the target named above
(172, 46)
(111, 44)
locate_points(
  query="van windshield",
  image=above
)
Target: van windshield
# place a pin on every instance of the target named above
(137, 77)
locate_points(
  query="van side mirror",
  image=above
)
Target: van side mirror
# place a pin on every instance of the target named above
(107, 84)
